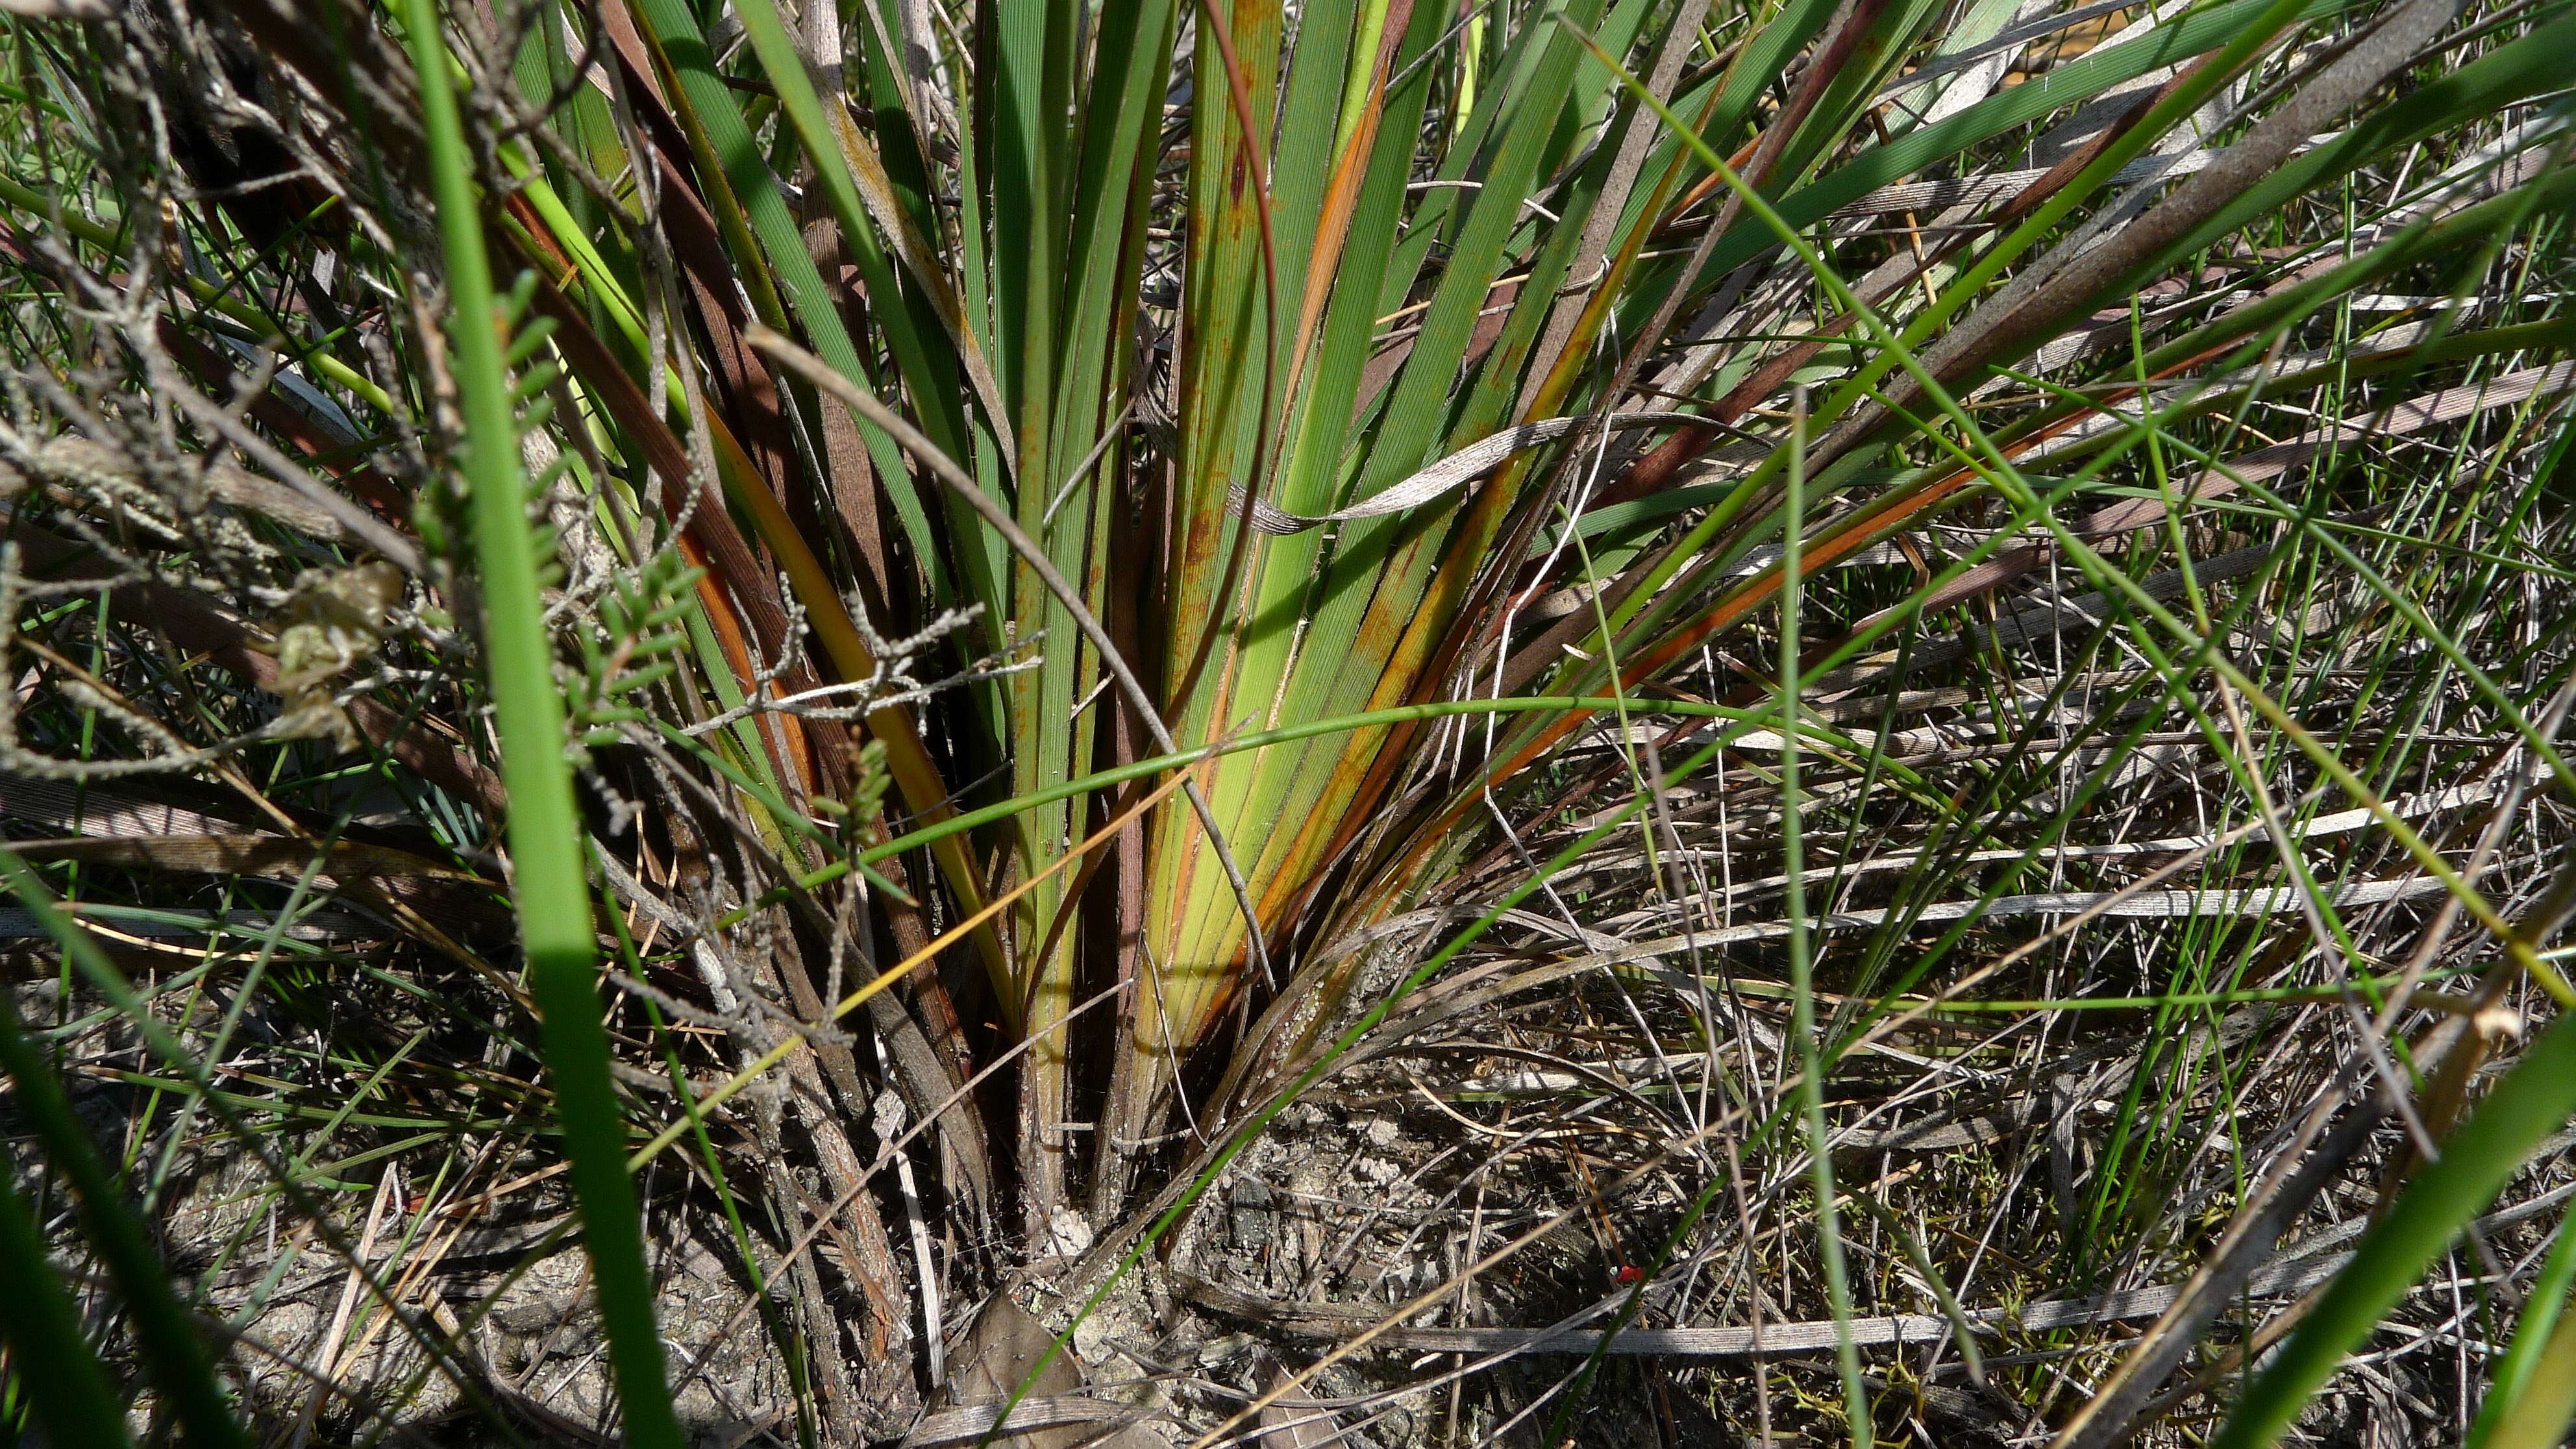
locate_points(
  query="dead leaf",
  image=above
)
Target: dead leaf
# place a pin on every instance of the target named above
(1005, 1345)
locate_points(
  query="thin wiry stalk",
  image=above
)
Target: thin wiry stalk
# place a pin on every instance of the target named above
(1802, 980)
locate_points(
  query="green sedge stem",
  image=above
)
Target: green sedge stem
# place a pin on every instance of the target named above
(552, 889)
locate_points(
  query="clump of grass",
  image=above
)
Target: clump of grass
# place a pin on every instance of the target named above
(1624, 718)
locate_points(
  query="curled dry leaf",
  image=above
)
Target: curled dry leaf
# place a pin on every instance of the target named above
(334, 620)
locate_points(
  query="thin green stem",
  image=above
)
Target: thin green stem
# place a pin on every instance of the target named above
(1802, 973)
(173, 1356)
(551, 889)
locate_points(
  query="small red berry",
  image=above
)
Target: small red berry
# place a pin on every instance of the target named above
(1629, 1276)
